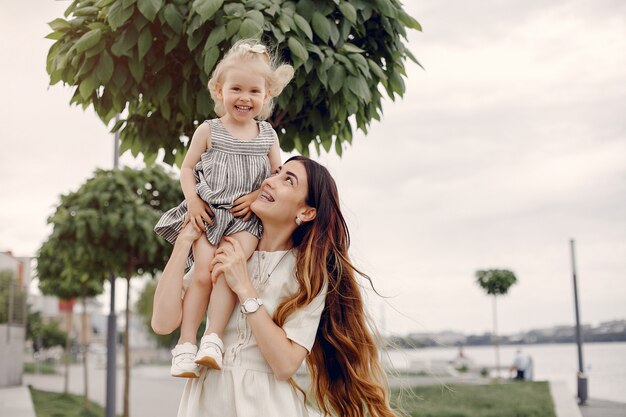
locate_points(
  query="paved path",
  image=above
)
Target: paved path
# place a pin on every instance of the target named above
(153, 392)
(603, 408)
(16, 402)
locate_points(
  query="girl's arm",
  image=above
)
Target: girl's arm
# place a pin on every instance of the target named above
(282, 354)
(274, 155)
(167, 305)
(241, 206)
(199, 211)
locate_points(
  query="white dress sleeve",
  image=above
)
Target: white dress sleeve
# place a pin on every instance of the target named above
(301, 326)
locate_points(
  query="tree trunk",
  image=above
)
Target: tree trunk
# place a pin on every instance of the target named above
(127, 350)
(68, 349)
(495, 337)
(85, 349)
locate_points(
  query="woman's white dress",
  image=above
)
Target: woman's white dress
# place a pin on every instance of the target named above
(246, 385)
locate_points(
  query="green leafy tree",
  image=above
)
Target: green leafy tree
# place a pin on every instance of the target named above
(152, 59)
(495, 282)
(59, 274)
(12, 298)
(44, 334)
(144, 307)
(105, 227)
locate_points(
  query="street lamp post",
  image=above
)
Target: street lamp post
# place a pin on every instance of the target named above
(112, 319)
(581, 377)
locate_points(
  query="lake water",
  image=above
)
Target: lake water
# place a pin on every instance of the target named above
(605, 363)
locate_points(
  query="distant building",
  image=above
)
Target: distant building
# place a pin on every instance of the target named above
(13, 316)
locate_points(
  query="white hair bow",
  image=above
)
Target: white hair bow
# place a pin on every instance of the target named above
(258, 49)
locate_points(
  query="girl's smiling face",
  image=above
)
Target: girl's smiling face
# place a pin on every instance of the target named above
(243, 93)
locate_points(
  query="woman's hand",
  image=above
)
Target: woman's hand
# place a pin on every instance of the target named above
(230, 261)
(241, 206)
(199, 212)
(190, 232)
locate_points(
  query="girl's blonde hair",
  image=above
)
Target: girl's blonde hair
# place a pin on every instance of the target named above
(277, 75)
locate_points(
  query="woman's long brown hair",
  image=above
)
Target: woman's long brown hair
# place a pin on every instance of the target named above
(346, 375)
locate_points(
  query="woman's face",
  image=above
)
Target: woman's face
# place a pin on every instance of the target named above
(283, 195)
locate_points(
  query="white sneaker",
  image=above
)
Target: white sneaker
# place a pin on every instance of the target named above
(211, 351)
(183, 364)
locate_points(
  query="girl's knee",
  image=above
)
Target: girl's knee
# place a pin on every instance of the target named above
(202, 276)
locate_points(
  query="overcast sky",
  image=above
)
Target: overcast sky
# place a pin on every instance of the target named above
(511, 142)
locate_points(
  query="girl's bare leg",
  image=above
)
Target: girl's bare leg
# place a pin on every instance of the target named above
(223, 300)
(197, 295)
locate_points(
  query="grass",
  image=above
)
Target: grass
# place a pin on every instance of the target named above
(520, 399)
(54, 404)
(41, 368)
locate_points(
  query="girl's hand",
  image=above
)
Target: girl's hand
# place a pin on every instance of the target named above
(230, 262)
(199, 212)
(242, 205)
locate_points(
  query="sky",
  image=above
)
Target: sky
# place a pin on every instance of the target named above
(510, 143)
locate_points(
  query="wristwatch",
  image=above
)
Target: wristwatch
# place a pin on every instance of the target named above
(251, 305)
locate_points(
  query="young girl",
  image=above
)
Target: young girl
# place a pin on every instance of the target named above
(227, 160)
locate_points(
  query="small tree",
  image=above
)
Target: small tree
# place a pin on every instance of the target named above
(106, 226)
(144, 308)
(43, 334)
(12, 299)
(60, 274)
(495, 282)
(152, 59)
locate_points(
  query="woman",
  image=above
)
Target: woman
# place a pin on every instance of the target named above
(299, 300)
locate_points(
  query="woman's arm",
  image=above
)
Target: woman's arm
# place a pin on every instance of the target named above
(282, 354)
(167, 306)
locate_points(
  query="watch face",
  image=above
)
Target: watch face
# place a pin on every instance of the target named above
(251, 306)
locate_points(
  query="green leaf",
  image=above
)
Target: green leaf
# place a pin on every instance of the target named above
(149, 8)
(118, 14)
(125, 43)
(234, 9)
(338, 147)
(359, 87)
(250, 29)
(278, 34)
(145, 42)
(350, 47)
(59, 25)
(136, 69)
(409, 22)
(163, 88)
(336, 77)
(104, 70)
(321, 26)
(217, 35)
(257, 16)
(88, 40)
(206, 8)
(210, 58)
(173, 18)
(348, 11)
(232, 27)
(297, 49)
(303, 25)
(386, 8)
(171, 44)
(376, 70)
(87, 86)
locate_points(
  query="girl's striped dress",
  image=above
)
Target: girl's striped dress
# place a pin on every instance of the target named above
(230, 169)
